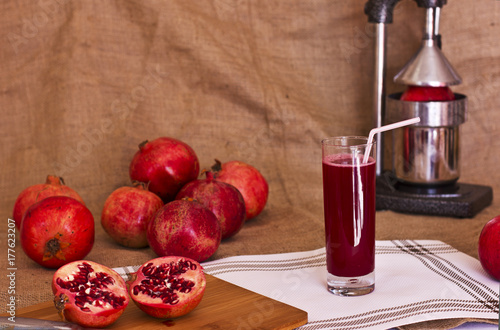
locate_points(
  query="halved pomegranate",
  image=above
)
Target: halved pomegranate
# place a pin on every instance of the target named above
(168, 287)
(427, 94)
(89, 294)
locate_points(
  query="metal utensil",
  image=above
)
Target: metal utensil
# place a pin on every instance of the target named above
(429, 66)
(30, 323)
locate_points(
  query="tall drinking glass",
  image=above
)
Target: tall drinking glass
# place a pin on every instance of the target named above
(349, 207)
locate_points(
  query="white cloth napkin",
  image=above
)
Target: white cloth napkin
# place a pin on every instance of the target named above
(415, 281)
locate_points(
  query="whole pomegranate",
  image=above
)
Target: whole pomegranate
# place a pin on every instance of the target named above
(427, 94)
(57, 230)
(166, 164)
(89, 294)
(168, 287)
(489, 247)
(127, 212)
(184, 228)
(53, 186)
(223, 199)
(248, 180)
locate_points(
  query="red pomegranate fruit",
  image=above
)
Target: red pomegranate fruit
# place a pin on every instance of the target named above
(248, 180)
(53, 186)
(166, 164)
(57, 230)
(184, 228)
(89, 294)
(168, 287)
(223, 199)
(127, 212)
(489, 247)
(427, 94)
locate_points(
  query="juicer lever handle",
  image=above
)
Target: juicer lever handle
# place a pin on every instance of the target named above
(430, 3)
(380, 11)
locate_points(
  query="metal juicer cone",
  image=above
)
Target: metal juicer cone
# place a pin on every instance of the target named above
(428, 67)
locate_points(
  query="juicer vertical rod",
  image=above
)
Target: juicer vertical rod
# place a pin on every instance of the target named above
(437, 16)
(437, 35)
(379, 13)
(429, 26)
(379, 92)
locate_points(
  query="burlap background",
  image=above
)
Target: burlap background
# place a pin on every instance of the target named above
(84, 82)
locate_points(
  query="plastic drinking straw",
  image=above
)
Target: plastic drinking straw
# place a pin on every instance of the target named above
(386, 128)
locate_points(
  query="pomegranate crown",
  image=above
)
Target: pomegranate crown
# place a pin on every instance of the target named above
(213, 172)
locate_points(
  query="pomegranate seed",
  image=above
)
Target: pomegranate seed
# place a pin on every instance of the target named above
(89, 290)
(161, 281)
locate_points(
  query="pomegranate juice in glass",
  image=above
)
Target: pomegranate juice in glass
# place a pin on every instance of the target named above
(349, 208)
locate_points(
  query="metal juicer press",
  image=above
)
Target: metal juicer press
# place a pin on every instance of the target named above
(424, 169)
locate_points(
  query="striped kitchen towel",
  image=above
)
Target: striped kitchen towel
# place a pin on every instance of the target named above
(416, 281)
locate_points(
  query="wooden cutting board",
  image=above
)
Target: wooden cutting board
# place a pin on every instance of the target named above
(224, 306)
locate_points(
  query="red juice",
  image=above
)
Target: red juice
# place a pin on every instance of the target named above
(349, 205)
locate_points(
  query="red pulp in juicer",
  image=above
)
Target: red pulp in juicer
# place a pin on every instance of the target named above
(427, 94)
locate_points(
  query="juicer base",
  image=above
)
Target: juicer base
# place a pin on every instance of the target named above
(460, 200)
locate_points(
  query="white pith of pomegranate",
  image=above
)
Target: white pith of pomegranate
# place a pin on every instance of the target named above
(89, 294)
(168, 287)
